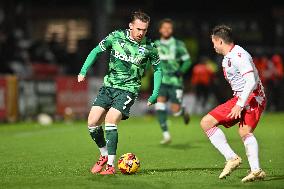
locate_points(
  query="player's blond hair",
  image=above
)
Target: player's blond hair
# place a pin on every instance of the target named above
(140, 16)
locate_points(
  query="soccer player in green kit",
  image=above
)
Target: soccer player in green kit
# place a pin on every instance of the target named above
(130, 51)
(175, 61)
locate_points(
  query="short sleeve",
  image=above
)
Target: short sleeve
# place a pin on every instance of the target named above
(106, 43)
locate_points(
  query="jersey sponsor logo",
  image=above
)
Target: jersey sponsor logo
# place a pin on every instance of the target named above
(124, 57)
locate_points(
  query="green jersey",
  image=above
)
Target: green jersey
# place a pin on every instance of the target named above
(128, 60)
(175, 60)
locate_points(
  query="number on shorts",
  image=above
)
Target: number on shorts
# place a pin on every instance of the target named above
(127, 101)
(179, 94)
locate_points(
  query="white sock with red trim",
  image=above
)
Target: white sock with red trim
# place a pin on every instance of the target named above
(251, 146)
(218, 139)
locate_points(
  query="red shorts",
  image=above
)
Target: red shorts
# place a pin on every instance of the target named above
(250, 115)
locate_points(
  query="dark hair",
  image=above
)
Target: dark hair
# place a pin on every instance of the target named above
(224, 32)
(140, 16)
(165, 20)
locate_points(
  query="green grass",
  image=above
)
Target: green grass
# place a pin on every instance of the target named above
(60, 156)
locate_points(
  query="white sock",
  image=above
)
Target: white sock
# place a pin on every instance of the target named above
(103, 151)
(111, 159)
(166, 135)
(251, 146)
(218, 139)
(178, 113)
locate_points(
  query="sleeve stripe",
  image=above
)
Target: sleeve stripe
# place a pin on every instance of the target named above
(156, 63)
(102, 46)
(247, 72)
(185, 57)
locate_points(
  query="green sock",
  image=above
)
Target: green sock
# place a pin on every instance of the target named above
(162, 118)
(97, 134)
(111, 138)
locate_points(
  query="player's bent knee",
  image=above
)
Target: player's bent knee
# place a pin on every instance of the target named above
(203, 122)
(161, 99)
(207, 122)
(96, 116)
(244, 130)
(113, 116)
(176, 108)
(177, 112)
(92, 121)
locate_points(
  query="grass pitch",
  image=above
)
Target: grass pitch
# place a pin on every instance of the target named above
(60, 156)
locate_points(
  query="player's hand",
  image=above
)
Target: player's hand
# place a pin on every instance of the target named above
(81, 78)
(152, 100)
(235, 112)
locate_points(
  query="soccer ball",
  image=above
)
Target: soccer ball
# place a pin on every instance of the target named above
(44, 119)
(128, 164)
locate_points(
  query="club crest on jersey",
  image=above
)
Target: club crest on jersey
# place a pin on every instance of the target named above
(141, 50)
(229, 63)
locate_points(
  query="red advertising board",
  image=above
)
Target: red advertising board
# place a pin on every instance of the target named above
(71, 94)
(3, 96)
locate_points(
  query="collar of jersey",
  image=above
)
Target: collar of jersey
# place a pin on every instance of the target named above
(129, 38)
(231, 51)
(166, 41)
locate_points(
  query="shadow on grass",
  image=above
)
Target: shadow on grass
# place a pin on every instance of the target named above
(151, 171)
(184, 146)
(274, 177)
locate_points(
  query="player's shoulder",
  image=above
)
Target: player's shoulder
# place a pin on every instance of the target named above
(239, 52)
(157, 42)
(179, 42)
(119, 33)
(150, 43)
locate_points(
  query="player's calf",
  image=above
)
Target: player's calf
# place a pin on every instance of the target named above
(219, 141)
(251, 147)
(96, 131)
(161, 113)
(178, 110)
(113, 117)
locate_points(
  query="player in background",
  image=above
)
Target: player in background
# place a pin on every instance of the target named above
(130, 51)
(244, 108)
(175, 62)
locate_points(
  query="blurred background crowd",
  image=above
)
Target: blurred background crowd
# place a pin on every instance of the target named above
(41, 40)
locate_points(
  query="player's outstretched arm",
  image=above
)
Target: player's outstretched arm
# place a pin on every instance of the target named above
(105, 44)
(89, 61)
(157, 83)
